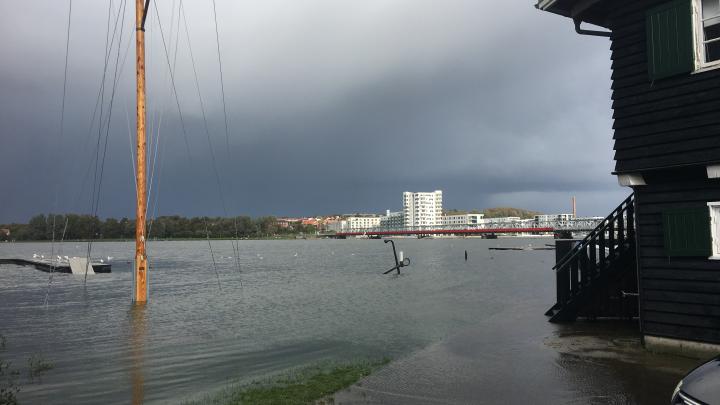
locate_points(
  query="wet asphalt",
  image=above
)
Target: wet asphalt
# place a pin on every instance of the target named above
(517, 357)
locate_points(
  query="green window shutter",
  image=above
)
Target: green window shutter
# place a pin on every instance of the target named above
(687, 232)
(670, 39)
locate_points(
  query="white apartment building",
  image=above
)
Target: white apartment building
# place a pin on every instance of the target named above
(353, 223)
(363, 222)
(422, 209)
(461, 219)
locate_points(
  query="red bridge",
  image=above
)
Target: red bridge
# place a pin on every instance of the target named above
(467, 231)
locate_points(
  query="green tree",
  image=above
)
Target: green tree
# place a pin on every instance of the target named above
(38, 227)
(509, 212)
(111, 229)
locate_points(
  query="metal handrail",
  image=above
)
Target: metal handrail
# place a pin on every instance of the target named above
(622, 208)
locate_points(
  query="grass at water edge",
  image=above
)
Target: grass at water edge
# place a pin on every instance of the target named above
(302, 386)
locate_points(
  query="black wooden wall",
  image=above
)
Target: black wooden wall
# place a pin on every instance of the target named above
(669, 122)
(680, 296)
(668, 130)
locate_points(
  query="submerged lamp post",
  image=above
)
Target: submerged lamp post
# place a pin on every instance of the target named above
(399, 262)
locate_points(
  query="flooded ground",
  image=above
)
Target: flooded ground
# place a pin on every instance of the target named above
(517, 358)
(298, 302)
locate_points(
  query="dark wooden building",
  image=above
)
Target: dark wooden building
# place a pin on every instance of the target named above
(666, 103)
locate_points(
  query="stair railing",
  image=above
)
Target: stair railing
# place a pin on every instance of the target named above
(592, 254)
(625, 229)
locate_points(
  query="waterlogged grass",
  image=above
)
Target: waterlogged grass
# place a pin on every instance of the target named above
(304, 386)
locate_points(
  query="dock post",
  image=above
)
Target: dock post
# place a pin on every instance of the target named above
(562, 274)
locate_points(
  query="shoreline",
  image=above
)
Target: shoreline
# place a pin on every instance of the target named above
(157, 240)
(314, 237)
(314, 383)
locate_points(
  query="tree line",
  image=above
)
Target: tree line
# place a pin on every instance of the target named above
(74, 227)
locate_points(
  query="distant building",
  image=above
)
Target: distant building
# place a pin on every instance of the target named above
(364, 222)
(553, 217)
(353, 223)
(461, 219)
(310, 221)
(392, 220)
(503, 220)
(422, 209)
(334, 225)
(287, 222)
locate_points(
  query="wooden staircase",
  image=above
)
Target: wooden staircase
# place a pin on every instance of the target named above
(597, 278)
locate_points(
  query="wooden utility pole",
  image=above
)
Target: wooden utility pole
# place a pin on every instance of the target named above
(140, 287)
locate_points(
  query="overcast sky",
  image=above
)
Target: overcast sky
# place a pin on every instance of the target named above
(334, 106)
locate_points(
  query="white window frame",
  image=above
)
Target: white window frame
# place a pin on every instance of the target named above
(699, 45)
(714, 208)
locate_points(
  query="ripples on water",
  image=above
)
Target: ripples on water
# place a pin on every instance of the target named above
(293, 303)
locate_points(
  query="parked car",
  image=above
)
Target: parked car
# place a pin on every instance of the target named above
(700, 386)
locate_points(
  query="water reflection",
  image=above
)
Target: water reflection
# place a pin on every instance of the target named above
(330, 302)
(605, 363)
(138, 325)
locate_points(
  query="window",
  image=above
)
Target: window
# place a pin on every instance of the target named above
(715, 228)
(687, 232)
(707, 32)
(682, 36)
(669, 35)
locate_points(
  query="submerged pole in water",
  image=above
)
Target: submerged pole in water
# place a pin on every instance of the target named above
(140, 285)
(402, 262)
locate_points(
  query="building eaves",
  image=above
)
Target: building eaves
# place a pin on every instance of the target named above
(591, 11)
(545, 4)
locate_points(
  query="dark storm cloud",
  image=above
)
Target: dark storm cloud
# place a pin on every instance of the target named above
(334, 107)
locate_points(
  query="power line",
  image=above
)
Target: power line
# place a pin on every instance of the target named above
(204, 117)
(99, 99)
(235, 243)
(62, 127)
(155, 201)
(222, 82)
(212, 255)
(99, 177)
(182, 121)
(174, 88)
(207, 133)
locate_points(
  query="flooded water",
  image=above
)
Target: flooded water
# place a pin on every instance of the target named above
(293, 303)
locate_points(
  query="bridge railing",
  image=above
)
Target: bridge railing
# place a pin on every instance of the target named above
(577, 224)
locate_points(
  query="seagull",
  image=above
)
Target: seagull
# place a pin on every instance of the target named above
(295, 254)
(109, 258)
(102, 261)
(35, 256)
